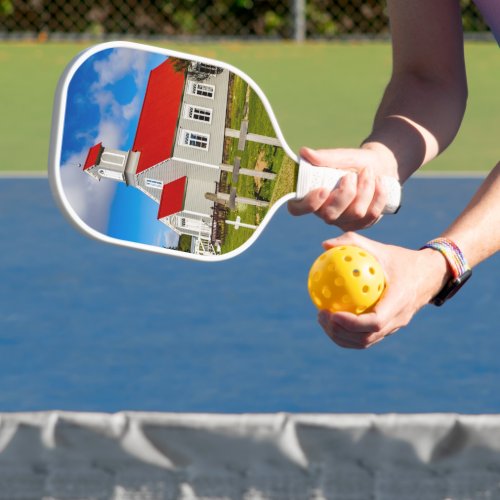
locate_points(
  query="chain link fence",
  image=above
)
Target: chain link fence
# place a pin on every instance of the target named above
(281, 19)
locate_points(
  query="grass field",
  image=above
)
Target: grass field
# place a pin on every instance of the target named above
(324, 95)
(254, 156)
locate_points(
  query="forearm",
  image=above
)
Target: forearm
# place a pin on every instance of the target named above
(477, 230)
(416, 121)
(424, 103)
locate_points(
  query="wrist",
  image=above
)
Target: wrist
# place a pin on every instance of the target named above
(457, 265)
(388, 165)
(437, 272)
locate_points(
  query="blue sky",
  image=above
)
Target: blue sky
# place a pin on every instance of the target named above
(104, 102)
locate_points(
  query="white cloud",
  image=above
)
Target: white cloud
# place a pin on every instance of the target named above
(132, 109)
(90, 199)
(118, 64)
(167, 238)
(110, 133)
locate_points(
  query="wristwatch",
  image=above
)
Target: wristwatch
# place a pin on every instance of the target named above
(460, 270)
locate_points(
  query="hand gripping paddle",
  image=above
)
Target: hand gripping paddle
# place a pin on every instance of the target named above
(173, 153)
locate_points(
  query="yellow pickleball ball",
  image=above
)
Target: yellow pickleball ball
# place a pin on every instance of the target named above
(346, 278)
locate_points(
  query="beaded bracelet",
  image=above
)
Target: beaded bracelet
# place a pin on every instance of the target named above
(459, 267)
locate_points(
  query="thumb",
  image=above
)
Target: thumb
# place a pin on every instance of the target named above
(349, 238)
(354, 159)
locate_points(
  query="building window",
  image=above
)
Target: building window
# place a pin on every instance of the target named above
(201, 89)
(207, 68)
(194, 139)
(154, 183)
(198, 113)
(113, 158)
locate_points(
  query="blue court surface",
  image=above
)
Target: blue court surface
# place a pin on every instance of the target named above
(92, 327)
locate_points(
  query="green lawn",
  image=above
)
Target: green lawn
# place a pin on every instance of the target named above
(272, 158)
(324, 95)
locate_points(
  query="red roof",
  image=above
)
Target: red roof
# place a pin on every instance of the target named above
(160, 112)
(172, 197)
(93, 156)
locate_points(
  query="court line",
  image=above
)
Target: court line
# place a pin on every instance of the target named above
(35, 174)
(452, 174)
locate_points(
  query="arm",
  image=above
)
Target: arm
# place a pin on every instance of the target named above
(424, 103)
(477, 230)
(419, 115)
(415, 277)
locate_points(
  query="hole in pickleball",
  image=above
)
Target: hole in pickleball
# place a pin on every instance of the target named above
(360, 309)
(362, 254)
(339, 281)
(327, 293)
(317, 276)
(372, 270)
(366, 289)
(346, 299)
(356, 273)
(348, 258)
(379, 287)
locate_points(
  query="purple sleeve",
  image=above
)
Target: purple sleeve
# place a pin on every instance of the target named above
(490, 9)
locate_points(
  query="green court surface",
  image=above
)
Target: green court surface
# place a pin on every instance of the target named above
(324, 95)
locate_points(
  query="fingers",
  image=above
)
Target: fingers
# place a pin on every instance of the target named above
(340, 198)
(355, 332)
(310, 203)
(379, 201)
(356, 202)
(367, 206)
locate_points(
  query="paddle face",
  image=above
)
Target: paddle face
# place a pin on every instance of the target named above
(166, 152)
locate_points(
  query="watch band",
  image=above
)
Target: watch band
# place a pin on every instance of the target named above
(458, 265)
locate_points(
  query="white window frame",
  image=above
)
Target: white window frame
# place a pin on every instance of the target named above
(207, 68)
(117, 159)
(193, 86)
(153, 183)
(187, 135)
(193, 110)
(110, 174)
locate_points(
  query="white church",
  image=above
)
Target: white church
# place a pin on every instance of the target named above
(176, 157)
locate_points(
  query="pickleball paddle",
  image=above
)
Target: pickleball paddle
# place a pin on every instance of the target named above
(173, 153)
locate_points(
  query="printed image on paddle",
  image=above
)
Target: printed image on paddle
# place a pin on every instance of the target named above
(172, 153)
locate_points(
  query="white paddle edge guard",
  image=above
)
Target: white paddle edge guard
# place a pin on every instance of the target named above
(55, 149)
(314, 177)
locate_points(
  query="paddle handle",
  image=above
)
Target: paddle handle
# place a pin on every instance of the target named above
(313, 177)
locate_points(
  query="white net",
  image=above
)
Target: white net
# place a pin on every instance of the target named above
(153, 456)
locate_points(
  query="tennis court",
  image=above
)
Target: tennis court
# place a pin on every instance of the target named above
(92, 328)
(86, 327)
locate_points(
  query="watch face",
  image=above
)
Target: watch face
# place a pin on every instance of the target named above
(451, 288)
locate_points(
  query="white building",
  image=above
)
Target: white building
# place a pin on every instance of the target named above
(176, 156)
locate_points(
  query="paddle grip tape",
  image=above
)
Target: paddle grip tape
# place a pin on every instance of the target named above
(313, 177)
